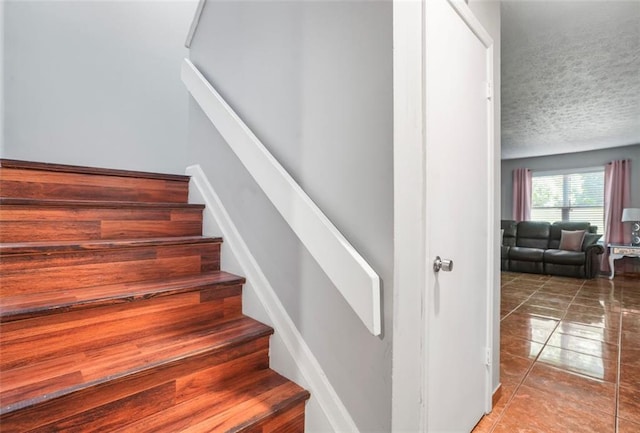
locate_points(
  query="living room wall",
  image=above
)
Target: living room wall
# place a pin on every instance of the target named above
(591, 158)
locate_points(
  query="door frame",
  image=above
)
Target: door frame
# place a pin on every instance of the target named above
(411, 264)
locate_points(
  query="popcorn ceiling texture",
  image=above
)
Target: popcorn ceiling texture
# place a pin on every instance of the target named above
(570, 76)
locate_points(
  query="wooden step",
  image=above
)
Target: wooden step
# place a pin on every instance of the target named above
(157, 369)
(43, 338)
(30, 305)
(262, 401)
(254, 400)
(38, 267)
(56, 181)
(23, 220)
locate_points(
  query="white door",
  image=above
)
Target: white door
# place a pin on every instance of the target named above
(458, 151)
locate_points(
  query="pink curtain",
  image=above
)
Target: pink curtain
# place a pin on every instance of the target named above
(521, 194)
(617, 196)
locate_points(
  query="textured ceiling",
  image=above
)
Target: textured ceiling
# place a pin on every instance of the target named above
(570, 76)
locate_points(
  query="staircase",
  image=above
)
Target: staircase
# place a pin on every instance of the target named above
(115, 315)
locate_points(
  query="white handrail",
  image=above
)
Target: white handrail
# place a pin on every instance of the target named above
(350, 273)
(194, 23)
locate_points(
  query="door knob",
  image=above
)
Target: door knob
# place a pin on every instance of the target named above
(444, 264)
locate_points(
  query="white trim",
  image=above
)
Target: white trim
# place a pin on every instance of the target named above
(194, 23)
(350, 273)
(316, 380)
(409, 182)
(491, 231)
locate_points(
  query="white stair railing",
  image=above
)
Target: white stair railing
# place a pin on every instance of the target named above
(350, 273)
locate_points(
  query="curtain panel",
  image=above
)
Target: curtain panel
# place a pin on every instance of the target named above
(522, 194)
(617, 196)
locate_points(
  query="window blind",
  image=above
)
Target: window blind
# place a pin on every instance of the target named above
(571, 196)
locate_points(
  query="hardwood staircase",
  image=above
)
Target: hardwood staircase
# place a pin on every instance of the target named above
(115, 315)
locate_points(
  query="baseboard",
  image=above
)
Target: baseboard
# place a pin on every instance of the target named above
(290, 355)
(496, 395)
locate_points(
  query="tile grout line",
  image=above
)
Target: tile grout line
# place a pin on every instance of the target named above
(617, 395)
(526, 374)
(587, 295)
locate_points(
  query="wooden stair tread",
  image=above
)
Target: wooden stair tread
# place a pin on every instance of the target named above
(243, 403)
(29, 305)
(110, 204)
(64, 168)
(99, 244)
(40, 381)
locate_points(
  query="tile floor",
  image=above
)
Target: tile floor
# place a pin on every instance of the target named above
(570, 356)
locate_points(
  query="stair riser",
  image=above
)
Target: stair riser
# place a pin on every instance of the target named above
(36, 273)
(82, 333)
(26, 183)
(124, 400)
(33, 224)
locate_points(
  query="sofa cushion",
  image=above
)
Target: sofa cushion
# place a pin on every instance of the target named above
(533, 234)
(526, 254)
(528, 267)
(558, 226)
(563, 257)
(509, 235)
(571, 240)
(576, 271)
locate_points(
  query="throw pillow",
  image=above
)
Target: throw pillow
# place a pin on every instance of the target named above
(571, 240)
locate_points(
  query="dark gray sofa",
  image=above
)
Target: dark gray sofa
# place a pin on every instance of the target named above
(532, 246)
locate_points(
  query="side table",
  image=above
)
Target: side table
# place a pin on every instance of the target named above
(618, 251)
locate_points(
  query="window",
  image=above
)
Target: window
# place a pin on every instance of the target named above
(573, 196)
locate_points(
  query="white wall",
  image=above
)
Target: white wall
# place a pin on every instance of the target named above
(488, 13)
(96, 82)
(592, 158)
(313, 80)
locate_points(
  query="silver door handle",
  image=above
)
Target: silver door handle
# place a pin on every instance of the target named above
(444, 264)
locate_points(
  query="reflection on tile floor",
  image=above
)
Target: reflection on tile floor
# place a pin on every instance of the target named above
(570, 356)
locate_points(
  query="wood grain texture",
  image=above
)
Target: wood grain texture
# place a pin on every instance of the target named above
(255, 399)
(62, 268)
(31, 378)
(45, 247)
(115, 316)
(217, 371)
(28, 183)
(65, 221)
(210, 285)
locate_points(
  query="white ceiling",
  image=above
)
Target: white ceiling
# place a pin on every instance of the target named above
(570, 76)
